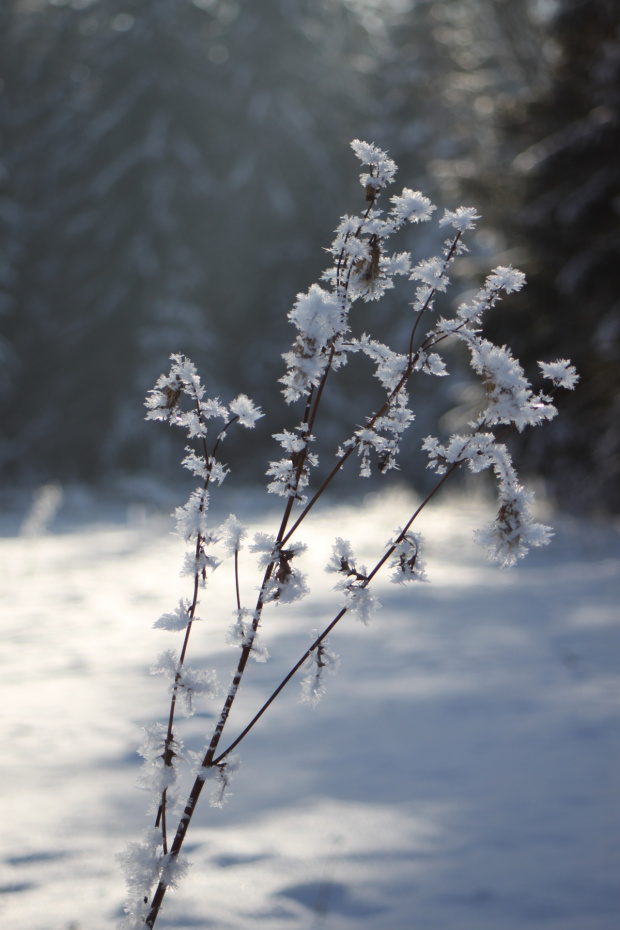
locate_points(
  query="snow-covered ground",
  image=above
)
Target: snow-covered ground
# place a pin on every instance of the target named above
(461, 772)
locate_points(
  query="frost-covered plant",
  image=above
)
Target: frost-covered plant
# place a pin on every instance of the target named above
(362, 269)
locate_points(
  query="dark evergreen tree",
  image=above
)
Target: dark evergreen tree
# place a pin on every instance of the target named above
(49, 324)
(530, 92)
(170, 170)
(568, 213)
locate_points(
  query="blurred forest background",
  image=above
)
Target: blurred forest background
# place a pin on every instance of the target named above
(170, 171)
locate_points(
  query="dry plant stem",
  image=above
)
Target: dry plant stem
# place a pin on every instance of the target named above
(318, 348)
(281, 687)
(334, 622)
(311, 409)
(237, 579)
(168, 753)
(357, 234)
(431, 297)
(412, 360)
(312, 405)
(311, 412)
(207, 762)
(210, 760)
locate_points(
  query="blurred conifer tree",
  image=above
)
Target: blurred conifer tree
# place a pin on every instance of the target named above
(531, 91)
(563, 199)
(166, 170)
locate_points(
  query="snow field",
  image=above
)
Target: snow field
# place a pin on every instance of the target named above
(460, 772)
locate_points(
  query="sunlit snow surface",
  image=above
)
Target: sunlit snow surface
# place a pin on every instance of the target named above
(461, 772)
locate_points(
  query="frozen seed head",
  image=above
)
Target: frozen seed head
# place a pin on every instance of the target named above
(232, 533)
(463, 218)
(431, 271)
(245, 410)
(505, 278)
(382, 168)
(412, 206)
(562, 373)
(175, 621)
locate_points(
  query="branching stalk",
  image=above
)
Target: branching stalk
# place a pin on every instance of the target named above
(361, 270)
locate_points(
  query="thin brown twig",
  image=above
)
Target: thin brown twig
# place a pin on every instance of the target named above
(311, 409)
(334, 622)
(168, 753)
(210, 761)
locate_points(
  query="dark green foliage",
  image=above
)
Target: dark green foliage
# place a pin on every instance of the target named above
(568, 214)
(166, 168)
(532, 105)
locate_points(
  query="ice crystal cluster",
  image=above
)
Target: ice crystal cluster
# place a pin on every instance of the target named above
(362, 268)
